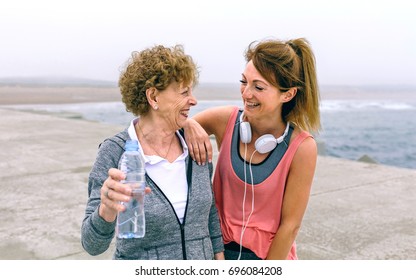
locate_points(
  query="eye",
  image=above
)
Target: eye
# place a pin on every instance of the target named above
(259, 88)
(243, 82)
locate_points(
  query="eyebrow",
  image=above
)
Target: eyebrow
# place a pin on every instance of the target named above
(256, 81)
(184, 89)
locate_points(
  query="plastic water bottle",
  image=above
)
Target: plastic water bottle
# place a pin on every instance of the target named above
(131, 222)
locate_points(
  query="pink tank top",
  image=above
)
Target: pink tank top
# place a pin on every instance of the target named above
(229, 196)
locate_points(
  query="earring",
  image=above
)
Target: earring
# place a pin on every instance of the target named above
(156, 107)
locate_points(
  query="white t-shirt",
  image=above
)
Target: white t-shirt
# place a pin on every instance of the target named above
(170, 177)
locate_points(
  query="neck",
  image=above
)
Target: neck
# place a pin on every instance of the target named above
(155, 131)
(156, 141)
(268, 127)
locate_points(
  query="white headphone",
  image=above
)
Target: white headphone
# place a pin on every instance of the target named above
(263, 144)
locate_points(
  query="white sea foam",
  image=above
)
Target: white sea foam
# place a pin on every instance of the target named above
(351, 105)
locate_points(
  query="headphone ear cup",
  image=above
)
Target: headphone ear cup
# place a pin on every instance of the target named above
(265, 143)
(245, 132)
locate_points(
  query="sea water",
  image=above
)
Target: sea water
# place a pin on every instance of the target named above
(382, 128)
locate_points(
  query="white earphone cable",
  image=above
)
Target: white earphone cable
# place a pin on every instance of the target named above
(244, 199)
(244, 225)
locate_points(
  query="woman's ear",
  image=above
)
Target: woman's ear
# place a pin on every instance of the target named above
(289, 94)
(151, 94)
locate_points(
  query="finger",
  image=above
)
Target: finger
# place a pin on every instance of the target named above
(117, 197)
(113, 182)
(191, 152)
(116, 191)
(106, 200)
(112, 204)
(104, 193)
(110, 183)
(197, 154)
(209, 151)
(202, 154)
(206, 152)
(121, 192)
(116, 174)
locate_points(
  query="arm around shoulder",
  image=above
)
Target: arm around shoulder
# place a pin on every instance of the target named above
(212, 121)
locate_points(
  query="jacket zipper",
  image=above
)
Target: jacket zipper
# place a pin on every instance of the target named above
(181, 225)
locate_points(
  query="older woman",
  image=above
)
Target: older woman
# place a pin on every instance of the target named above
(181, 217)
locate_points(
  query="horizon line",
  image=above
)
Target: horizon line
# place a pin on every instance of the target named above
(73, 81)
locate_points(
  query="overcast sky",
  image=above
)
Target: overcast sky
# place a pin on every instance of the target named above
(356, 42)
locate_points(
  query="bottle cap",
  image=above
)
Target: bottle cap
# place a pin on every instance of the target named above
(131, 145)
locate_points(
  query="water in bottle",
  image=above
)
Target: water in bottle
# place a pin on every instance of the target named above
(131, 222)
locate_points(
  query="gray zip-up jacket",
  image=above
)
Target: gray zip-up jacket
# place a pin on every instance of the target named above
(198, 237)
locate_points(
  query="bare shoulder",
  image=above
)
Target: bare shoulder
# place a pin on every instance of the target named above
(308, 147)
(302, 168)
(214, 120)
(218, 112)
(307, 150)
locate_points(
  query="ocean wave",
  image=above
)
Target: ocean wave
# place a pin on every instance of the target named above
(351, 105)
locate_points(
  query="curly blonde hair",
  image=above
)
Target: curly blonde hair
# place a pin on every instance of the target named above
(156, 67)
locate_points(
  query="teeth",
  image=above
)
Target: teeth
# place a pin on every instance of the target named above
(252, 104)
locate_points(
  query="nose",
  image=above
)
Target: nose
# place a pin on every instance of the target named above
(246, 92)
(192, 100)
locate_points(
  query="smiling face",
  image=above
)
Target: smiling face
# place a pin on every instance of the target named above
(175, 103)
(261, 99)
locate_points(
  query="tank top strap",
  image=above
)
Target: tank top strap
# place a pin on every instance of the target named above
(293, 147)
(232, 120)
(229, 128)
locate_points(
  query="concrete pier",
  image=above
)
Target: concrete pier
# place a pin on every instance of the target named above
(357, 210)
